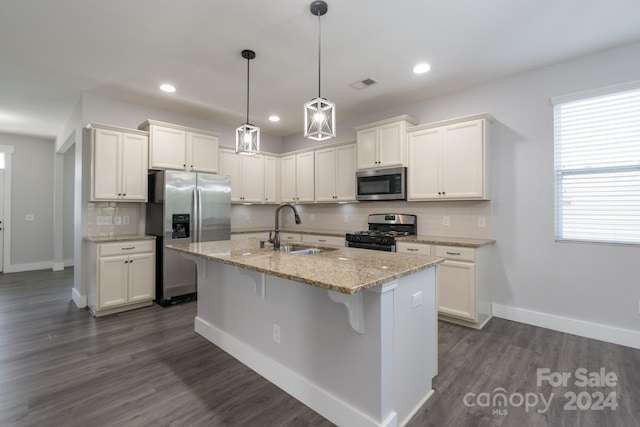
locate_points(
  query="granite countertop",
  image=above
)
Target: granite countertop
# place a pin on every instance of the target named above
(124, 238)
(346, 270)
(426, 239)
(448, 241)
(294, 230)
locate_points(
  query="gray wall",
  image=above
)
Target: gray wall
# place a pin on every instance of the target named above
(594, 283)
(31, 193)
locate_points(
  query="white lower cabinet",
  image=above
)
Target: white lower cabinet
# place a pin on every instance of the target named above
(463, 282)
(121, 276)
(250, 237)
(317, 239)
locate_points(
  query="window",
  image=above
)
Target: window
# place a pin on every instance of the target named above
(597, 167)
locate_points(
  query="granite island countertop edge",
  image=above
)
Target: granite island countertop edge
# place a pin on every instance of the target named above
(345, 270)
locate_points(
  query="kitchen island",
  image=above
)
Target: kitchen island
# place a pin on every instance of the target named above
(351, 333)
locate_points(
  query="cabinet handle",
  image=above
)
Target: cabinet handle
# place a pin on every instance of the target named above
(453, 253)
(322, 240)
(129, 248)
(126, 262)
(412, 249)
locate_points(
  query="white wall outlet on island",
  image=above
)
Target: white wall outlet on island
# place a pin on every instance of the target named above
(125, 220)
(276, 333)
(345, 219)
(482, 221)
(29, 217)
(445, 220)
(117, 220)
(416, 299)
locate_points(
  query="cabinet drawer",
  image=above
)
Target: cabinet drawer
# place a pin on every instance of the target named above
(126, 248)
(289, 237)
(414, 248)
(249, 237)
(323, 240)
(455, 252)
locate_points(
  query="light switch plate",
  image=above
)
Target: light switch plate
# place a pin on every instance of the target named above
(445, 220)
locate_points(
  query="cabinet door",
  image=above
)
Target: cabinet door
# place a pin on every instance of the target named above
(141, 277)
(167, 148)
(252, 169)
(112, 281)
(106, 151)
(271, 171)
(390, 149)
(457, 289)
(463, 160)
(325, 175)
(305, 177)
(346, 173)
(423, 173)
(367, 151)
(288, 178)
(230, 165)
(202, 152)
(134, 167)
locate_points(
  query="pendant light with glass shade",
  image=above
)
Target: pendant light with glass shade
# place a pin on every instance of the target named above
(248, 135)
(319, 113)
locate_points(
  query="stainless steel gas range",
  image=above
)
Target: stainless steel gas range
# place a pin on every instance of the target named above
(383, 231)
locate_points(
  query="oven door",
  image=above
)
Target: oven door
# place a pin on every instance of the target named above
(381, 184)
(374, 246)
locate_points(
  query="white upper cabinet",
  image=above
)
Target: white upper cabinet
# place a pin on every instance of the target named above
(247, 176)
(448, 160)
(182, 148)
(335, 170)
(119, 164)
(271, 179)
(383, 144)
(297, 178)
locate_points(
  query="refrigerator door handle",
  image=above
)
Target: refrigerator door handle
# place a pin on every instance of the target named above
(195, 215)
(199, 215)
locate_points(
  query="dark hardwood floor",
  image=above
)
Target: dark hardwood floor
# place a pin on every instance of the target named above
(61, 367)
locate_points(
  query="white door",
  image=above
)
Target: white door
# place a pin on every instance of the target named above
(1, 220)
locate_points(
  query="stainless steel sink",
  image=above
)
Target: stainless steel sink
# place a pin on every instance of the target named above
(303, 250)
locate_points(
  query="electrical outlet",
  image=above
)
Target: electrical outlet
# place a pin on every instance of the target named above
(416, 299)
(482, 221)
(276, 333)
(445, 220)
(312, 217)
(29, 217)
(125, 219)
(345, 219)
(117, 220)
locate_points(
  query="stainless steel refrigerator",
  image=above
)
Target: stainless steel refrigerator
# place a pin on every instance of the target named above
(185, 207)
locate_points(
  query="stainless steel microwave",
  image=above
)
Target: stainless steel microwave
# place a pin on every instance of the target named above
(382, 184)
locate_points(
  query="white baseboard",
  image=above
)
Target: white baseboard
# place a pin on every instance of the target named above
(31, 266)
(568, 325)
(79, 300)
(318, 399)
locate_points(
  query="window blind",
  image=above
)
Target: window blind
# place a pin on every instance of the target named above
(597, 168)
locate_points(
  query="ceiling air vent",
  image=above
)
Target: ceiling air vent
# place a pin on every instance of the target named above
(361, 84)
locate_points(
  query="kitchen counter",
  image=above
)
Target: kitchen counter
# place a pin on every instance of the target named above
(351, 333)
(123, 238)
(296, 231)
(447, 241)
(345, 270)
(468, 242)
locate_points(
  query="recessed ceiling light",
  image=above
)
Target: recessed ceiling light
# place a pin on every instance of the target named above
(274, 118)
(421, 68)
(167, 88)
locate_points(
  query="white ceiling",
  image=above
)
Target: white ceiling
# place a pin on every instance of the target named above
(52, 51)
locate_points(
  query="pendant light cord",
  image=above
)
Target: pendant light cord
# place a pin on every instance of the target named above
(248, 60)
(319, 52)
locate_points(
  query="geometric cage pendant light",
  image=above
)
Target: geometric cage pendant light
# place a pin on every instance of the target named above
(248, 135)
(319, 113)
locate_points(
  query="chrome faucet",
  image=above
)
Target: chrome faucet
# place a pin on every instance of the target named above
(276, 236)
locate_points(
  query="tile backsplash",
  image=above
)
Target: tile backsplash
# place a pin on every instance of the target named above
(465, 218)
(114, 219)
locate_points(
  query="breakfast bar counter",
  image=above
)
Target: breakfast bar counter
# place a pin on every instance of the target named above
(351, 333)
